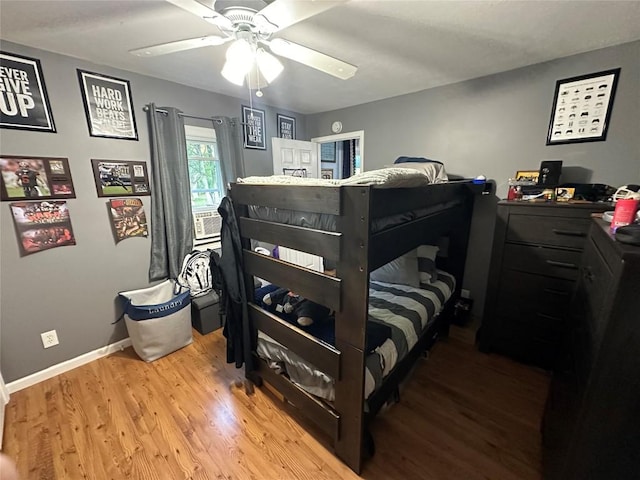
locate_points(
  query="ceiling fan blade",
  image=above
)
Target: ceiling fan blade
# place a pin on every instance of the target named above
(180, 45)
(205, 12)
(283, 13)
(313, 59)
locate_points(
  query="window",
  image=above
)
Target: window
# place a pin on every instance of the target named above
(207, 186)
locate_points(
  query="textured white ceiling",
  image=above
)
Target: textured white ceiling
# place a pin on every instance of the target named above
(398, 46)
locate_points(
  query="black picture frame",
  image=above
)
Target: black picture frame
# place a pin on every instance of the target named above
(120, 178)
(108, 106)
(35, 178)
(26, 95)
(286, 127)
(328, 152)
(581, 109)
(253, 128)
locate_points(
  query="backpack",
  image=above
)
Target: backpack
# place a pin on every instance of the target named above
(195, 273)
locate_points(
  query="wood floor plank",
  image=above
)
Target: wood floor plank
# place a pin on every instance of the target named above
(462, 415)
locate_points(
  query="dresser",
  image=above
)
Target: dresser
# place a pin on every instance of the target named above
(534, 267)
(591, 424)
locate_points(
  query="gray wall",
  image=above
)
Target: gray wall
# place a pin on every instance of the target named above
(492, 126)
(496, 125)
(73, 289)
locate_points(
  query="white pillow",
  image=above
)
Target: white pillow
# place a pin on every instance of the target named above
(403, 271)
(427, 263)
(434, 171)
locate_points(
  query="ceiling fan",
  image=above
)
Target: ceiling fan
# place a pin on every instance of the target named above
(250, 25)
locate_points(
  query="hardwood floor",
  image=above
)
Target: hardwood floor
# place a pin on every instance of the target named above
(462, 415)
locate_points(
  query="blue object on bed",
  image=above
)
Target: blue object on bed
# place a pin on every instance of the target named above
(415, 160)
(324, 329)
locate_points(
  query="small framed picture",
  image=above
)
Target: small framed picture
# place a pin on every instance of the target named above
(581, 108)
(326, 173)
(286, 127)
(25, 93)
(528, 176)
(328, 152)
(34, 178)
(564, 194)
(253, 128)
(108, 106)
(115, 178)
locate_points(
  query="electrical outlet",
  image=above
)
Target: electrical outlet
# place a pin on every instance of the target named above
(49, 339)
(465, 293)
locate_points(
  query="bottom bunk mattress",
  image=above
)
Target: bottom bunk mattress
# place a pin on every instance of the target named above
(403, 311)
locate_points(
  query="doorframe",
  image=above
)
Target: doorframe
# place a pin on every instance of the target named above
(338, 137)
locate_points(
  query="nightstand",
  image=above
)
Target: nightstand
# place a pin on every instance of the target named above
(534, 267)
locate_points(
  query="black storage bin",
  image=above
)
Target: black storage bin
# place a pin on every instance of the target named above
(205, 316)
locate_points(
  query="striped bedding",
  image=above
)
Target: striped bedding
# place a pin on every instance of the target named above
(407, 310)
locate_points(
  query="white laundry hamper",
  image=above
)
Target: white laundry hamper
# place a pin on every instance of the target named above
(158, 319)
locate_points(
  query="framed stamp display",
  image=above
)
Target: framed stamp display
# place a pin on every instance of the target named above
(32, 178)
(582, 108)
(120, 178)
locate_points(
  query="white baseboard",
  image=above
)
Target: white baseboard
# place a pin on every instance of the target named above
(67, 365)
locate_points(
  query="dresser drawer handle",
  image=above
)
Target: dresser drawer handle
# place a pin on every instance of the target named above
(587, 274)
(562, 264)
(569, 233)
(560, 293)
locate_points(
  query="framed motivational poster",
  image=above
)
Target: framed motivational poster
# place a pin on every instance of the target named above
(253, 128)
(286, 127)
(108, 106)
(24, 103)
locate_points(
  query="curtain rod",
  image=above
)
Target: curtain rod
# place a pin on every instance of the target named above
(159, 110)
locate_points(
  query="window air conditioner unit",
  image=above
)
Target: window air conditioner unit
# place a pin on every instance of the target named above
(206, 224)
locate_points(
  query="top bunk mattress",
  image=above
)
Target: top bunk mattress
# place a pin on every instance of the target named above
(393, 177)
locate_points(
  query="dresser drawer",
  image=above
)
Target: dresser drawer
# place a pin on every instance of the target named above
(530, 341)
(550, 262)
(595, 280)
(523, 294)
(546, 230)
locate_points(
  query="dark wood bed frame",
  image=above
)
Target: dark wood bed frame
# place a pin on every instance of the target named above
(356, 251)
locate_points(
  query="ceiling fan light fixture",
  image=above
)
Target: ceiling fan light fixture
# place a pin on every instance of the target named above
(240, 58)
(240, 51)
(235, 71)
(270, 67)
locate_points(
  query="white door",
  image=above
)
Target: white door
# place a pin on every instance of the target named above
(295, 157)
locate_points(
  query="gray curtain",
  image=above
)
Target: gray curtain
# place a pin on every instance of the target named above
(171, 222)
(228, 135)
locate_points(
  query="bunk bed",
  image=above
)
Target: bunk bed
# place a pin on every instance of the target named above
(359, 227)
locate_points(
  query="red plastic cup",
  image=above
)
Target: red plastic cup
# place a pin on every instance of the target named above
(624, 213)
